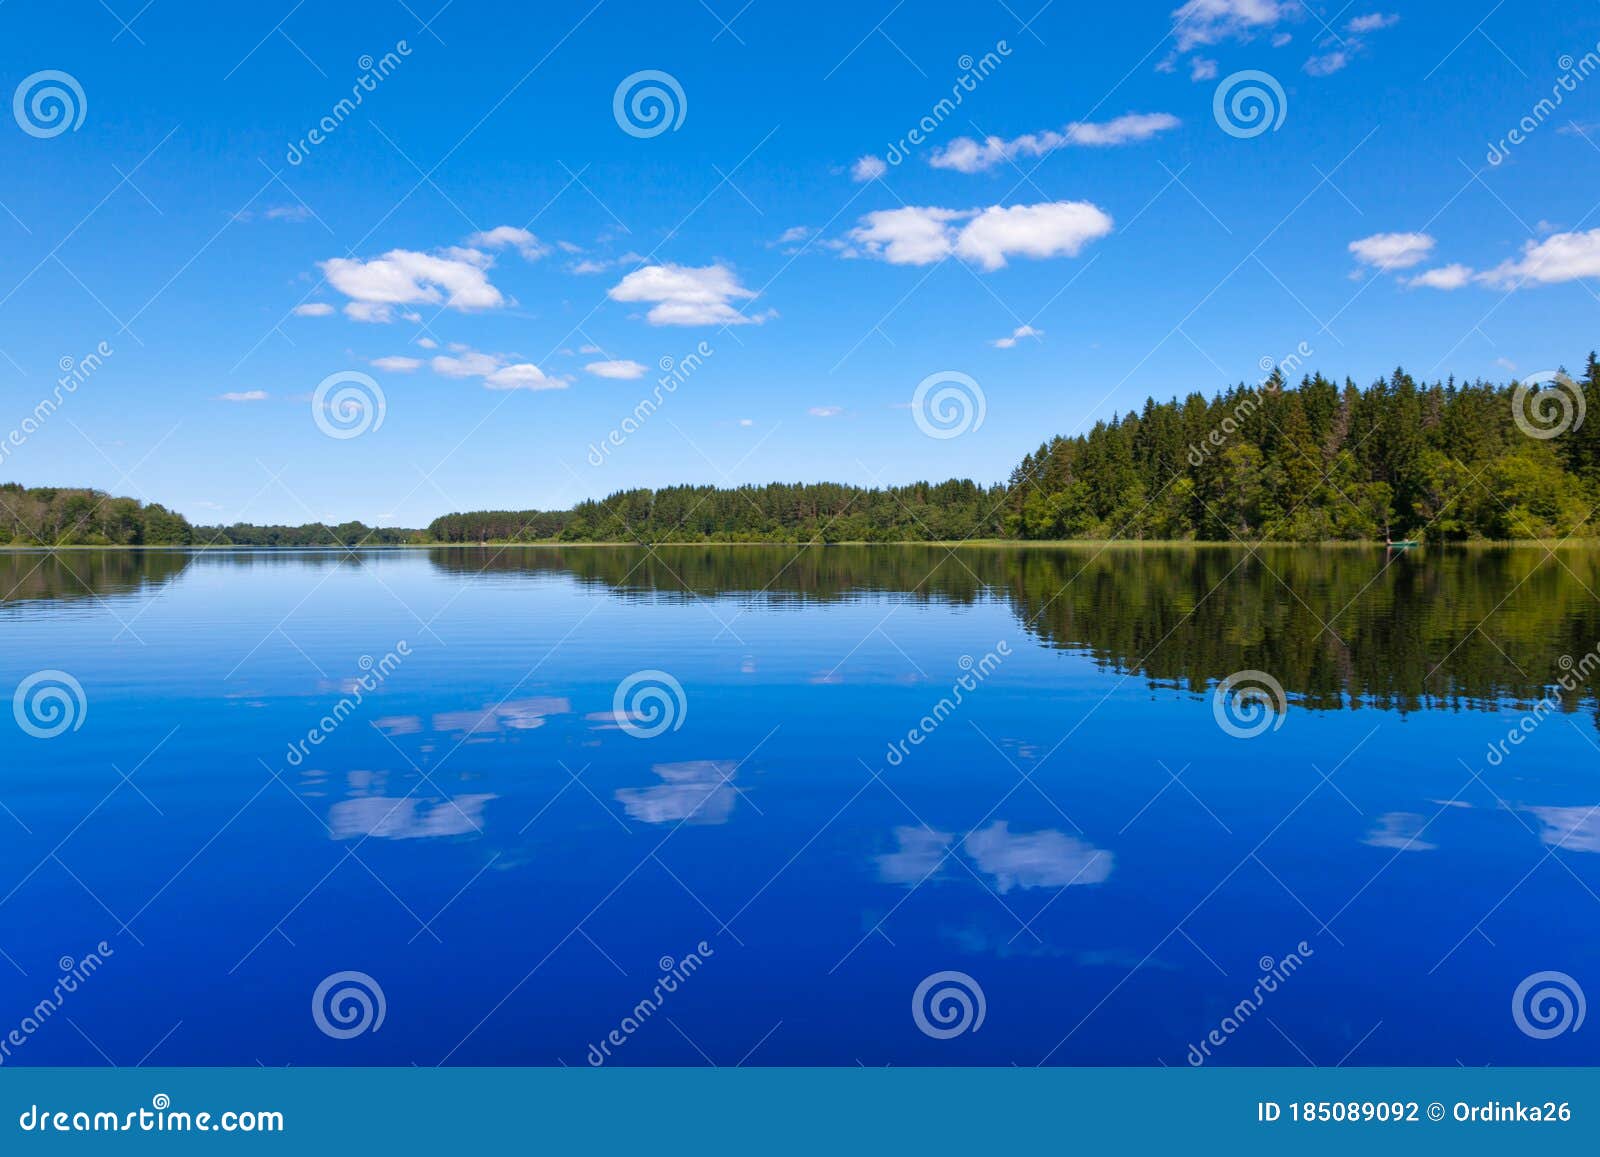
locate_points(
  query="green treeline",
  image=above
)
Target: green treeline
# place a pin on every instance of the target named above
(1447, 462)
(59, 516)
(1317, 462)
(777, 512)
(309, 534)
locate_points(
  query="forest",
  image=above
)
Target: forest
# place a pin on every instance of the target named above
(1316, 462)
(1320, 461)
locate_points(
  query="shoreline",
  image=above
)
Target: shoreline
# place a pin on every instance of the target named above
(968, 544)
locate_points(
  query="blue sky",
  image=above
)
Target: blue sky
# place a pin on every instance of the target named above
(484, 197)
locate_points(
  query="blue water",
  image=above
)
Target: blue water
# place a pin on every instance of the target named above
(513, 867)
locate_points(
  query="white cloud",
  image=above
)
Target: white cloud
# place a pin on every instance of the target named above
(1559, 257)
(911, 236)
(369, 312)
(313, 309)
(1370, 23)
(825, 411)
(1328, 63)
(747, 421)
(468, 364)
(1052, 229)
(919, 235)
(1445, 277)
(1392, 250)
(1332, 59)
(497, 370)
(244, 396)
(1133, 126)
(1281, 38)
(687, 295)
(502, 236)
(522, 376)
(590, 349)
(868, 168)
(966, 155)
(427, 343)
(1201, 68)
(589, 265)
(276, 213)
(624, 369)
(1022, 331)
(454, 277)
(1213, 21)
(398, 365)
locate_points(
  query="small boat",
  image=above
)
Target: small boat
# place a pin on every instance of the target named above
(1403, 544)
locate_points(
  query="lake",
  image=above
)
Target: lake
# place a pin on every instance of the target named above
(768, 805)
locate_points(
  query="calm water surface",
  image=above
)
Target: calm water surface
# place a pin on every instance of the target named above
(514, 863)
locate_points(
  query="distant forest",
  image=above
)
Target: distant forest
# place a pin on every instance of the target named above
(1317, 462)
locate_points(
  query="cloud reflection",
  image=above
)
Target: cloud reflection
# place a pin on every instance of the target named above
(1042, 859)
(1400, 830)
(513, 714)
(1573, 829)
(698, 791)
(407, 818)
(919, 854)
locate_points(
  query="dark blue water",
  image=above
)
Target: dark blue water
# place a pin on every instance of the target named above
(515, 865)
